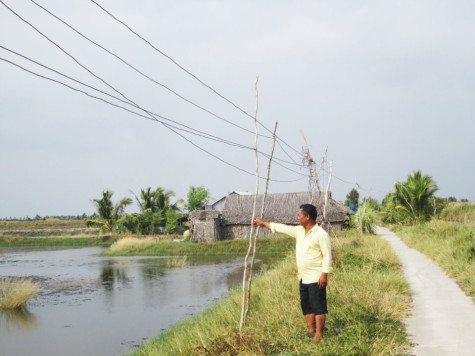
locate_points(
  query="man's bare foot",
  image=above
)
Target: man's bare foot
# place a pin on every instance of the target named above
(318, 338)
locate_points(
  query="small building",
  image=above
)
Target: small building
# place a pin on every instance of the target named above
(234, 222)
(219, 204)
(205, 225)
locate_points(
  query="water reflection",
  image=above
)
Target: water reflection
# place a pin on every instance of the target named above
(17, 319)
(151, 269)
(113, 273)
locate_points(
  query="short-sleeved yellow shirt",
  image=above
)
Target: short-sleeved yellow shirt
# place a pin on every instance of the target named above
(313, 250)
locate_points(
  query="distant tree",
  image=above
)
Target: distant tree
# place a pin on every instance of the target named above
(464, 200)
(372, 203)
(197, 198)
(451, 199)
(154, 206)
(108, 213)
(352, 198)
(172, 222)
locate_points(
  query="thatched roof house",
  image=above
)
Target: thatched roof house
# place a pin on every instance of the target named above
(282, 208)
(235, 220)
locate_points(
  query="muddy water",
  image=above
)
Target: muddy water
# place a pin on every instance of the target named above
(91, 305)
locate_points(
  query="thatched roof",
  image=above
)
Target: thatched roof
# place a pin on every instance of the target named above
(282, 208)
(204, 214)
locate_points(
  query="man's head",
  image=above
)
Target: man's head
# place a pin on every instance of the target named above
(306, 212)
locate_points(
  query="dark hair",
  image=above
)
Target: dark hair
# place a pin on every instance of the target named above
(310, 210)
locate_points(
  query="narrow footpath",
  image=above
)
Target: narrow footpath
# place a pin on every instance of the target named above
(443, 317)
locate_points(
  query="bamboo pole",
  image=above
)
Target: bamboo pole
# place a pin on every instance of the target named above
(325, 221)
(244, 275)
(263, 204)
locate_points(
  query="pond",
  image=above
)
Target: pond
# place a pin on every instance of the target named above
(92, 305)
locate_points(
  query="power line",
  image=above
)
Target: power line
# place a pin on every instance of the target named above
(191, 74)
(189, 129)
(143, 74)
(79, 63)
(170, 127)
(131, 102)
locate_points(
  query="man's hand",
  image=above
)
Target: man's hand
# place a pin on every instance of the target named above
(259, 222)
(323, 280)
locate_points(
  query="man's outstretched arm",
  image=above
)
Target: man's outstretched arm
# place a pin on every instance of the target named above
(262, 223)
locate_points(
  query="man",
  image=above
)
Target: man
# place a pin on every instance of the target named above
(314, 256)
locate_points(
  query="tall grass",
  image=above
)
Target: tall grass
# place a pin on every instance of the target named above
(364, 219)
(367, 296)
(15, 293)
(451, 246)
(459, 212)
(133, 244)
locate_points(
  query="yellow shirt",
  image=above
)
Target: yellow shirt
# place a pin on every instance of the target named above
(313, 250)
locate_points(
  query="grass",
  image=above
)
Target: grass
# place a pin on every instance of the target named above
(15, 293)
(166, 247)
(459, 212)
(368, 296)
(451, 246)
(9, 241)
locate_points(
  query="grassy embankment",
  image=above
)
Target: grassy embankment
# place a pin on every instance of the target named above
(27, 230)
(367, 293)
(166, 247)
(41, 224)
(451, 246)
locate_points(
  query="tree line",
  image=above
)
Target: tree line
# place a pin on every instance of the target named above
(157, 213)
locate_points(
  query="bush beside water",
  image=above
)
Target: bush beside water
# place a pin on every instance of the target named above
(16, 292)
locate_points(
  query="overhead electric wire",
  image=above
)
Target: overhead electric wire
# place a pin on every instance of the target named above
(130, 102)
(79, 63)
(196, 132)
(170, 127)
(189, 129)
(142, 73)
(193, 75)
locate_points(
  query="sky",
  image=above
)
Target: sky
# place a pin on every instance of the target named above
(385, 87)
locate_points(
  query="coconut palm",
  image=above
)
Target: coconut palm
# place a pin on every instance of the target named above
(415, 196)
(108, 212)
(154, 205)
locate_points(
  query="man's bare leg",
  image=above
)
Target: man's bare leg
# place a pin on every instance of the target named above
(310, 319)
(320, 318)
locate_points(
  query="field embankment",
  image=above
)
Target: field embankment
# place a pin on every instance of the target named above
(368, 298)
(451, 246)
(167, 247)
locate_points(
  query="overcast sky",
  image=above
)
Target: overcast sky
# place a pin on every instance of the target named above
(387, 86)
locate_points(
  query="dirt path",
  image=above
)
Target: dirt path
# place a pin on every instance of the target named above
(443, 317)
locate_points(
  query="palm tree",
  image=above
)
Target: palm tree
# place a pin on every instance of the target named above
(415, 197)
(154, 205)
(107, 211)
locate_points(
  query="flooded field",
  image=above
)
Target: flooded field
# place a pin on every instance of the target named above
(91, 305)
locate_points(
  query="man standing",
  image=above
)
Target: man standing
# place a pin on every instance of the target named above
(314, 257)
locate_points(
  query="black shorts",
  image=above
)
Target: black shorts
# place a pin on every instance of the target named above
(313, 299)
